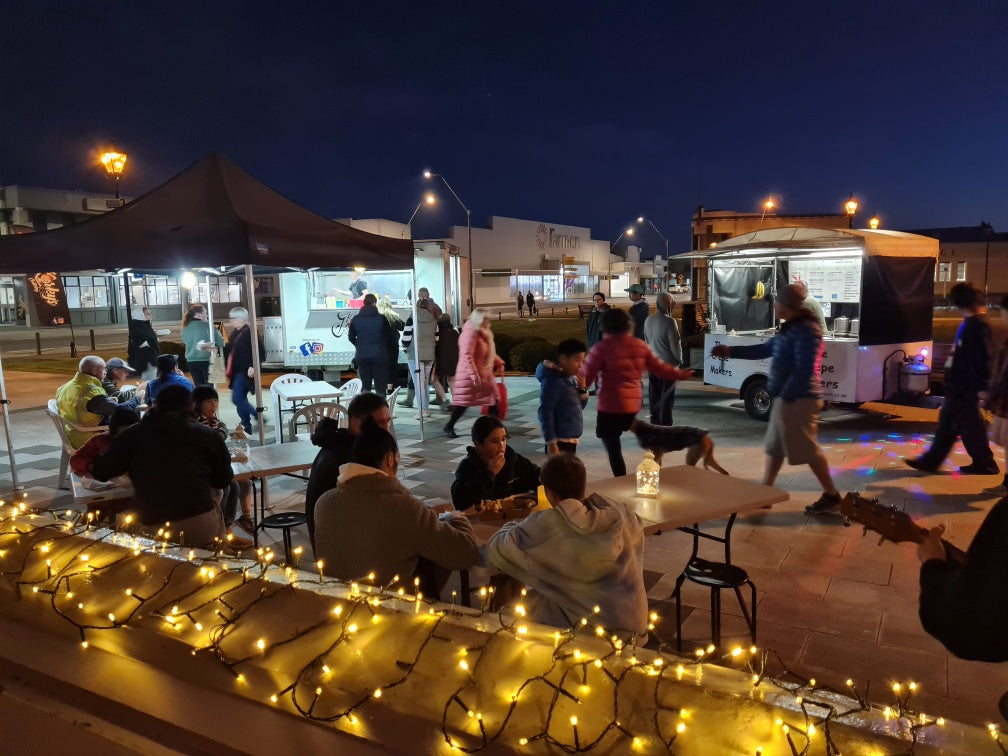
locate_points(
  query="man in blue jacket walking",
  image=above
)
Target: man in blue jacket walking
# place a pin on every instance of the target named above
(562, 398)
(796, 392)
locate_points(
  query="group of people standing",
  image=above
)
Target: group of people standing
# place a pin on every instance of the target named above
(526, 300)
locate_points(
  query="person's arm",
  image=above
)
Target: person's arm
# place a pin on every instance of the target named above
(592, 365)
(448, 542)
(116, 461)
(664, 370)
(352, 331)
(979, 356)
(547, 410)
(745, 352)
(508, 548)
(221, 472)
(675, 342)
(102, 405)
(407, 335)
(471, 485)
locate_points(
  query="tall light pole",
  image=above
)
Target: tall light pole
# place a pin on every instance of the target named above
(851, 206)
(768, 207)
(642, 219)
(626, 232)
(115, 164)
(430, 199)
(472, 276)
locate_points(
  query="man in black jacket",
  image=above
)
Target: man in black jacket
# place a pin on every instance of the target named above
(336, 448)
(967, 372)
(173, 463)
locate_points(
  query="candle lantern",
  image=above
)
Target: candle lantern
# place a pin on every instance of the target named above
(647, 476)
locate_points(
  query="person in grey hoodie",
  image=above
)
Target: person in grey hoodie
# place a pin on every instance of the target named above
(661, 332)
(371, 523)
(576, 556)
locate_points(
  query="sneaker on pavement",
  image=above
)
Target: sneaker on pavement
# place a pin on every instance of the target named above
(825, 503)
(975, 469)
(245, 523)
(450, 431)
(916, 464)
(425, 415)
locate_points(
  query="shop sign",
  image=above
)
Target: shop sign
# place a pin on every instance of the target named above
(548, 237)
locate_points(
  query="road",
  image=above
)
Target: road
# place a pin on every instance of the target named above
(21, 342)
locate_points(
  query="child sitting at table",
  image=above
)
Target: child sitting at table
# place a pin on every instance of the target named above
(581, 554)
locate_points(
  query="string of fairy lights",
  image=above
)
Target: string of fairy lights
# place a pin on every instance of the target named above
(217, 603)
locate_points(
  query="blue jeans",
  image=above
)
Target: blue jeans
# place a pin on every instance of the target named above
(422, 380)
(241, 387)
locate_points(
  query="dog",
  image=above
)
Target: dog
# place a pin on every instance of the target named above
(661, 439)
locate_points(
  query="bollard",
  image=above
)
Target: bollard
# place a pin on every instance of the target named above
(73, 349)
(500, 315)
(38, 343)
(93, 347)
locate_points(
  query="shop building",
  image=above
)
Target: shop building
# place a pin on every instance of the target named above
(978, 254)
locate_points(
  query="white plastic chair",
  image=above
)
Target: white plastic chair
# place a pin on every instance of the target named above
(277, 409)
(311, 415)
(61, 423)
(350, 389)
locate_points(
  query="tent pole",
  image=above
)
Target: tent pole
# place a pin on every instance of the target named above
(209, 313)
(6, 424)
(416, 351)
(257, 366)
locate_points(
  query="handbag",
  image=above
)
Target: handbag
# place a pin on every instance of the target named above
(502, 401)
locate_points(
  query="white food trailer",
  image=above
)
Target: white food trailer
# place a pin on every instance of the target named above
(876, 291)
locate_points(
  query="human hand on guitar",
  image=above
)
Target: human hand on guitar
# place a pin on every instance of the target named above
(932, 546)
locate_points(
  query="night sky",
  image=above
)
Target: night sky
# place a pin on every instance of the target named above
(564, 112)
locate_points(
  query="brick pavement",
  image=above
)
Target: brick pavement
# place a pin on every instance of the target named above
(834, 604)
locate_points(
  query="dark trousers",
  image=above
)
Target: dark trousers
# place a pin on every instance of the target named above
(372, 372)
(661, 399)
(432, 578)
(959, 417)
(200, 372)
(458, 411)
(615, 451)
(564, 446)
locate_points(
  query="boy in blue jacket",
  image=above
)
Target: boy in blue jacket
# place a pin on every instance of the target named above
(562, 397)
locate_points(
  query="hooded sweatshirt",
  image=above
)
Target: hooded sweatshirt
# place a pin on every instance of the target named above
(473, 482)
(371, 523)
(578, 556)
(560, 404)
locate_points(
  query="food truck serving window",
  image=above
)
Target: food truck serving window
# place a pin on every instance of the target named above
(336, 289)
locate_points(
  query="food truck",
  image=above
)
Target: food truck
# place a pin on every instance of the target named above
(876, 291)
(317, 306)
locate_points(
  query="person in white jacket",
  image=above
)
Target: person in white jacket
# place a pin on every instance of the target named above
(581, 554)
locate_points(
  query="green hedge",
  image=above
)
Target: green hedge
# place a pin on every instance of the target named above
(527, 354)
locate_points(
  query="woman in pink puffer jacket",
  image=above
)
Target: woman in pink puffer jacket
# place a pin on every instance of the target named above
(619, 360)
(474, 376)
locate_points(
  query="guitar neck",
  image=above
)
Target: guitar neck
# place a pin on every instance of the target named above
(952, 553)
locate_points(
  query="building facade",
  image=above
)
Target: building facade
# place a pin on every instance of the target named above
(713, 226)
(978, 254)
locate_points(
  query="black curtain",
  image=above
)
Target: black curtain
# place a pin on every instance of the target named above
(897, 299)
(735, 287)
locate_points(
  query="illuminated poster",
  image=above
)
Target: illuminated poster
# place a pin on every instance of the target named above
(50, 299)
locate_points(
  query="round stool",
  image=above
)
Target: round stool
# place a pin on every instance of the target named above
(716, 576)
(284, 521)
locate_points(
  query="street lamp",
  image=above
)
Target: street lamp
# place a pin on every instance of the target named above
(874, 222)
(115, 163)
(472, 276)
(429, 199)
(768, 207)
(629, 231)
(851, 206)
(642, 219)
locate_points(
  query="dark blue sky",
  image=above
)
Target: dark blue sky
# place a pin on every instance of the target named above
(567, 112)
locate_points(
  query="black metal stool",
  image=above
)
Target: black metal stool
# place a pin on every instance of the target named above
(716, 576)
(284, 521)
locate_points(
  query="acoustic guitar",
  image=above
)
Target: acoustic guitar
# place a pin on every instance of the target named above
(889, 522)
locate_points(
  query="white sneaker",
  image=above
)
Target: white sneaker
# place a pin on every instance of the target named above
(425, 415)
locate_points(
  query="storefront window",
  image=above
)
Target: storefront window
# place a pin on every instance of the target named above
(553, 287)
(86, 292)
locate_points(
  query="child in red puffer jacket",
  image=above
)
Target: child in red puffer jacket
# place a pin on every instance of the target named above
(619, 360)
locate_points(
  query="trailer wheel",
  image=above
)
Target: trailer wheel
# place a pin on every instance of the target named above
(757, 399)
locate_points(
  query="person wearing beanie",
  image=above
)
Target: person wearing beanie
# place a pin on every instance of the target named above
(796, 394)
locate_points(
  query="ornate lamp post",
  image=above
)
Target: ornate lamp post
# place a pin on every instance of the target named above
(851, 206)
(472, 276)
(874, 222)
(115, 164)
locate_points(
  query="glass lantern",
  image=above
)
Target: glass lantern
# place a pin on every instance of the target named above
(647, 476)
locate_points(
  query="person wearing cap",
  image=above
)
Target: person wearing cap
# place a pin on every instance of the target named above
(639, 310)
(117, 371)
(796, 394)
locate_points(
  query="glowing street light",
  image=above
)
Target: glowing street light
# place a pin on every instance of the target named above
(851, 206)
(115, 164)
(429, 199)
(428, 174)
(875, 222)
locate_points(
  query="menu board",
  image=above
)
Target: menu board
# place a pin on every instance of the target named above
(837, 280)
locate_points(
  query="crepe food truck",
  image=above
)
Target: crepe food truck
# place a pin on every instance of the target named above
(876, 289)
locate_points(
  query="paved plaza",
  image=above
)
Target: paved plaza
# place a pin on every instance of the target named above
(834, 604)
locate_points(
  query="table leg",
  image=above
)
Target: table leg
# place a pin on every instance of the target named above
(255, 511)
(464, 588)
